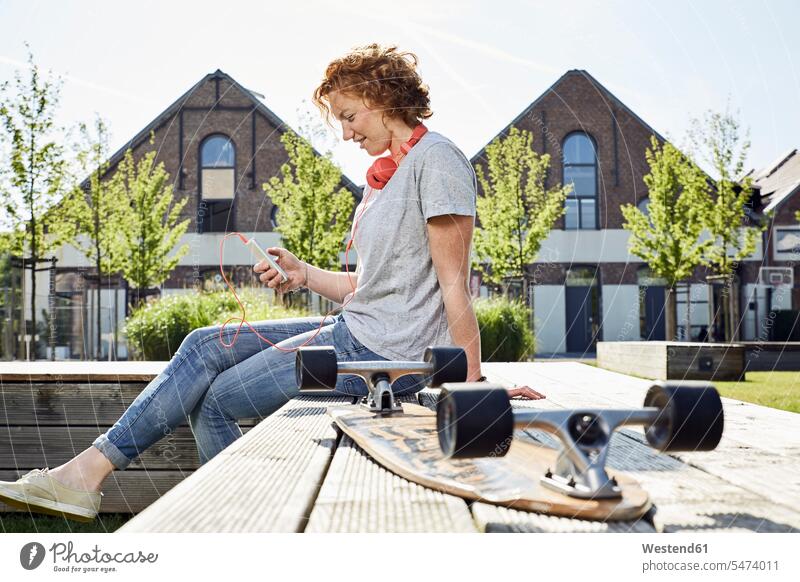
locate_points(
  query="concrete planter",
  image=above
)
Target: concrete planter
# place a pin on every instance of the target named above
(673, 360)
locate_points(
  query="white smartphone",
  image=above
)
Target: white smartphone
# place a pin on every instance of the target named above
(261, 254)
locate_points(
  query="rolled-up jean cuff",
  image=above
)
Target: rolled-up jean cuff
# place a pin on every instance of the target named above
(117, 457)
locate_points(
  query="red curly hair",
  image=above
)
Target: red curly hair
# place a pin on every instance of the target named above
(382, 77)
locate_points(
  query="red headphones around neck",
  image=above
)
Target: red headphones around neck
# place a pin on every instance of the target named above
(384, 168)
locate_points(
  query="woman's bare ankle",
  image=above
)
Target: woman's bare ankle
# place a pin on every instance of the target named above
(87, 471)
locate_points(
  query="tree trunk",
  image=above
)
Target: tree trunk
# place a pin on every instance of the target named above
(725, 309)
(526, 291)
(51, 320)
(33, 308)
(733, 309)
(98, 348)
(115, 322)
(671, 314)
(711, 335)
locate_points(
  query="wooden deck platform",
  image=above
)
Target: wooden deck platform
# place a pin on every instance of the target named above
(51, 411)
(295, 472)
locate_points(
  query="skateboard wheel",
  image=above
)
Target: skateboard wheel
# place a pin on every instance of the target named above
(691, 418)
(449, 365)
(316, 368)
(474, 421)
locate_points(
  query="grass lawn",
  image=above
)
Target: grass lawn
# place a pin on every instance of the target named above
(32, 523)
(774, 389)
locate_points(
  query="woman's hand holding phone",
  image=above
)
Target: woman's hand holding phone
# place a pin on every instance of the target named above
(294, 268)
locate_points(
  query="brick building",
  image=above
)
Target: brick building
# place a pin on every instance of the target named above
(587, 286)
(219, 143)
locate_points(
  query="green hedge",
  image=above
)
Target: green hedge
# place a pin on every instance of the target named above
(155, 330)
(506, 334)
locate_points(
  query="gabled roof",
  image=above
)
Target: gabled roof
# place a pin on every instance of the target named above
(778, 181)
(572, 73)
(175, 107)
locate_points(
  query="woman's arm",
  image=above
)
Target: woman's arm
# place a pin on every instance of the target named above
(450, 238)
(330, 284)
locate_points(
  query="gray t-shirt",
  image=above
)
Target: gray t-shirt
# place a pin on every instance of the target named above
(398, 309)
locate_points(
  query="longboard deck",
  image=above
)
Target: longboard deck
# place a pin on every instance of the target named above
(408, 445)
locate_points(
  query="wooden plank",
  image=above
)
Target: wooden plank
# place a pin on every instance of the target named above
(359, 495)
(73, 403)
(38, 403)
(31, 447)
(716, 516)
(265, 481)
(124, 491)
(76, 371)
(765, 474)
(495, 519)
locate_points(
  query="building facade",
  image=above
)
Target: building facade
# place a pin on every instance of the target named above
(219, 143)
(587, 286)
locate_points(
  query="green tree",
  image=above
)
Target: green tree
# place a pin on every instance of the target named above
(153, 228)
(716, 140)
(34, 178)
(314, 213)
(516, 211)
(97, 207)
(668, 236)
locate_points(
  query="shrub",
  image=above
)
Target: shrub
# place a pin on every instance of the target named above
(156, 329)
(506, 334)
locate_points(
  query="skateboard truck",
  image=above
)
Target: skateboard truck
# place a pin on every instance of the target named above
(477, 420)
(317, 368)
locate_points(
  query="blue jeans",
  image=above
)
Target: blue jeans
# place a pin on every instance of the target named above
(214, 386)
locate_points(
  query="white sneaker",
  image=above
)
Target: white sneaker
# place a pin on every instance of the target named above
(39, 492)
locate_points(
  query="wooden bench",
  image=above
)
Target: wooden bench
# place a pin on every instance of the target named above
(295, 472)
(51, 411)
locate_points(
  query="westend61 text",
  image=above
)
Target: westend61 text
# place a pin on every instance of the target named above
(96, 555)
(671, 549)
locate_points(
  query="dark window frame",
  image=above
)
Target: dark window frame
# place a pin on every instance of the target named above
(572, 195)
(202, 223)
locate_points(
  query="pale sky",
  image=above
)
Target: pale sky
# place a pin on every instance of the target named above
(484, 61)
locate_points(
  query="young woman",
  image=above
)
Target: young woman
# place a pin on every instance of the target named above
(412, 232)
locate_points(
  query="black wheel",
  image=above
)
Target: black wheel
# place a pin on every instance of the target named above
(449, 365)
(316, 368)
(691, 418)
(474, 421)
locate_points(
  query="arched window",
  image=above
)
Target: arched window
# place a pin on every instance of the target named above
(217, 184)
(218, 168)
(580, 170)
